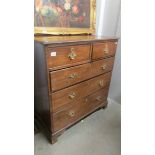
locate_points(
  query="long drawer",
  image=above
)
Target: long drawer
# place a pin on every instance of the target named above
(67, 77)
(67, 96)
(60, 57)
(80, 109)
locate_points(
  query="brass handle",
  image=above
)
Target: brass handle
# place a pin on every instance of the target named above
(101, 83)
(72, 55)
(71, 113)
(99, 98)
(73, 76)
(72, 95)
(104, 67)
(86, 100)
(106, 50)
(72, 49)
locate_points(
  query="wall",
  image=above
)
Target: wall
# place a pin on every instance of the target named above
(115, 87)
(108, 24)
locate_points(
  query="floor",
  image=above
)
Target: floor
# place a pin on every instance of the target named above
(98, 134)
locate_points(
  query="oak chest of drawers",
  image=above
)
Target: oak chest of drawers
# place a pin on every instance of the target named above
(72, 78)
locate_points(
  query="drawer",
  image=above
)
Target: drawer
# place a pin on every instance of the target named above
(81, 108)
(67, 77)
(59, 57)
(103, 50)
(69, 95)
(102, 66)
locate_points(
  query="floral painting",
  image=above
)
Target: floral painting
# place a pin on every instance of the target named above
(62, 13)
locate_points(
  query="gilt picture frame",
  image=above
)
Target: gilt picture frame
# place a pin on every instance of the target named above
(62, 17)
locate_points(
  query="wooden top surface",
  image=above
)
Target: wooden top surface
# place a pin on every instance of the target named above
(71, 39)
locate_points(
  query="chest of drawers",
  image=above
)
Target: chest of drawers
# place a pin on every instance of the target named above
(72, 78)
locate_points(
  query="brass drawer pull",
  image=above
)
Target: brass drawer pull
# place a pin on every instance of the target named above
(73, 76)
(99, 98)
(72, 95)
(72, 49)
(104, 67)
(101, 83)
(72, 55)
(71, 113)
(86, 100)
(106, 50)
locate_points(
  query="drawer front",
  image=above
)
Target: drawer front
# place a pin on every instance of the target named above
(102, 50)
(59, 57)
(67, 77)
(102, 66)
(69, 95)
(80, 109)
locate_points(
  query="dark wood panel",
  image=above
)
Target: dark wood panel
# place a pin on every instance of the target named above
(80, 108)
(60, 57)
(103, 50)
(41, 89)
(69, 95)
(67, 77)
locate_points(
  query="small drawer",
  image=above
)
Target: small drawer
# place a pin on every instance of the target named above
(81, 108)
(69, 95)
(67, 77)
(103, 50)
(102, 66)
(60, 57)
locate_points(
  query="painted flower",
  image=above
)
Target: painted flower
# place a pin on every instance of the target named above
(75, 9)
(48, 11)
(80, 19)
(45, 10)
(67, 6)
(55, 11)
(59, 10)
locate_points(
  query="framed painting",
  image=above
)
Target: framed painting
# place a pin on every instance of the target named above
(60, 17)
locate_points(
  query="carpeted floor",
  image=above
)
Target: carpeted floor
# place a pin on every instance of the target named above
(98, 134)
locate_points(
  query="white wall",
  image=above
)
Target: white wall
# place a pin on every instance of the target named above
(115, 87)
(108, 24)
